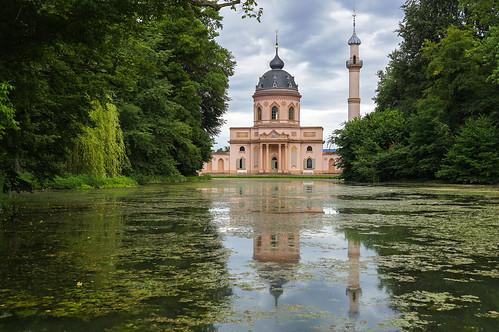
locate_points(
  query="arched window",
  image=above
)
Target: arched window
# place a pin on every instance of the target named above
(259, 114)
(309, 148)
(242, 149)
(309, 163)
(354, 59)
(291, 113)
(275, 112)
(241, 163)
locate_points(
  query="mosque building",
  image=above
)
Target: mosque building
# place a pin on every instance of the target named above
(277, 143)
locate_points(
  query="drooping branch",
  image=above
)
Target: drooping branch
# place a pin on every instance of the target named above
(213, 4)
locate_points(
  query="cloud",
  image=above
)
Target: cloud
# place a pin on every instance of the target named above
(313, 37)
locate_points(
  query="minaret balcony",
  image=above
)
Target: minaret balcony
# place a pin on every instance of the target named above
(354, 63)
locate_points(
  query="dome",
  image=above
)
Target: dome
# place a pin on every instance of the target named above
(354, 39)
(276, 78)
(276, 63)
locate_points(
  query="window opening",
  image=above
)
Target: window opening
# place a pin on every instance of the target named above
(275, 112)
(309, 163)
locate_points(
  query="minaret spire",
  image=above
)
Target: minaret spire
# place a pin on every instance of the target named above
(354, 64)
(354, 15)
(276, 41)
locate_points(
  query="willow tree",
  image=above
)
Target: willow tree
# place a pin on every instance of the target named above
(99, 150)
(6, 109)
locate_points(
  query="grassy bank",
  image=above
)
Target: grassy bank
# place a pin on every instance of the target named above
(88, 182)
(83, 181)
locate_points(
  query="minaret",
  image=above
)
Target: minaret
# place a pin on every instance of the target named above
(354, 65)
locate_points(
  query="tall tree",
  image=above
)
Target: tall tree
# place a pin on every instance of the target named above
(404, 80)
(474, 157)
(181, 95)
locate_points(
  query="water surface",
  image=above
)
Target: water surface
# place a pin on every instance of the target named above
(253, 254)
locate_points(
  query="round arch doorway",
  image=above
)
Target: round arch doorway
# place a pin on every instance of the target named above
(274, 165)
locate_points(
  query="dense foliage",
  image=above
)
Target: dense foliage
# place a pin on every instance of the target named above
(437, 111)
(83, 82)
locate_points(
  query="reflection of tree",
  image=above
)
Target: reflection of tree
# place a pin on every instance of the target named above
(428, 262)
(150, 262)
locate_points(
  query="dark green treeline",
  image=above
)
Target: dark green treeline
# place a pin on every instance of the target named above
(437, 102)
(108, 87)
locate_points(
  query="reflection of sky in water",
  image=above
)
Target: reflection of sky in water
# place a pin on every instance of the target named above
(322, 296)
(312, 292)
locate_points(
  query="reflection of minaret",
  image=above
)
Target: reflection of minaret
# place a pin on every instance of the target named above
(353, 290)
(280, 248)
(354, 65)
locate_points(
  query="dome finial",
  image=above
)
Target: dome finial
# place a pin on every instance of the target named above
(354, 40)
(276, 41)
(276, 63)
(354, 16)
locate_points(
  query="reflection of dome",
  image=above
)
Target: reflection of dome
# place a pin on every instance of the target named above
(276, 277)
(276, 78)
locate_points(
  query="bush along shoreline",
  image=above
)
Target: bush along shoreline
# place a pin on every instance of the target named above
(83, 181)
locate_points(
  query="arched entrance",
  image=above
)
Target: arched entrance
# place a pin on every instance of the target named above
(274, 165)
(220, 165)
(309, 163)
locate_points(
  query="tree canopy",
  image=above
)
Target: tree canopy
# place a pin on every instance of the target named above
(155, 62)
(440, 85)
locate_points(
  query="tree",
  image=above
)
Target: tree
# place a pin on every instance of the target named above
(490, 50)
(62, 56)
(6, 110)
(370, 147)
(224, 149)
(248, 7)
(99, 150)
(180, 96)
(459, 78)
(474, 157)
(56, 54)
(404, 80)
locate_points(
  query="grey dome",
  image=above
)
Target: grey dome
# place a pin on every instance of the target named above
(276, 78)
(276, 63)
(354, 39)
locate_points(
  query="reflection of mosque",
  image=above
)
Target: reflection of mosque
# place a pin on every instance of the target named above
(283, 250)
(276, 220)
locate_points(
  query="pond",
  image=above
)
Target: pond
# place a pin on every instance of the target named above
(253, 255)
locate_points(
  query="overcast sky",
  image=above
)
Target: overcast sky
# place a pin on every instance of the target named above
(313, 37)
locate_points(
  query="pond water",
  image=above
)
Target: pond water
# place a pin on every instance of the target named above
(253, 255)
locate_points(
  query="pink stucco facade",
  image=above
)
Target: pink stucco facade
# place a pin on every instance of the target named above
(276, 143)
